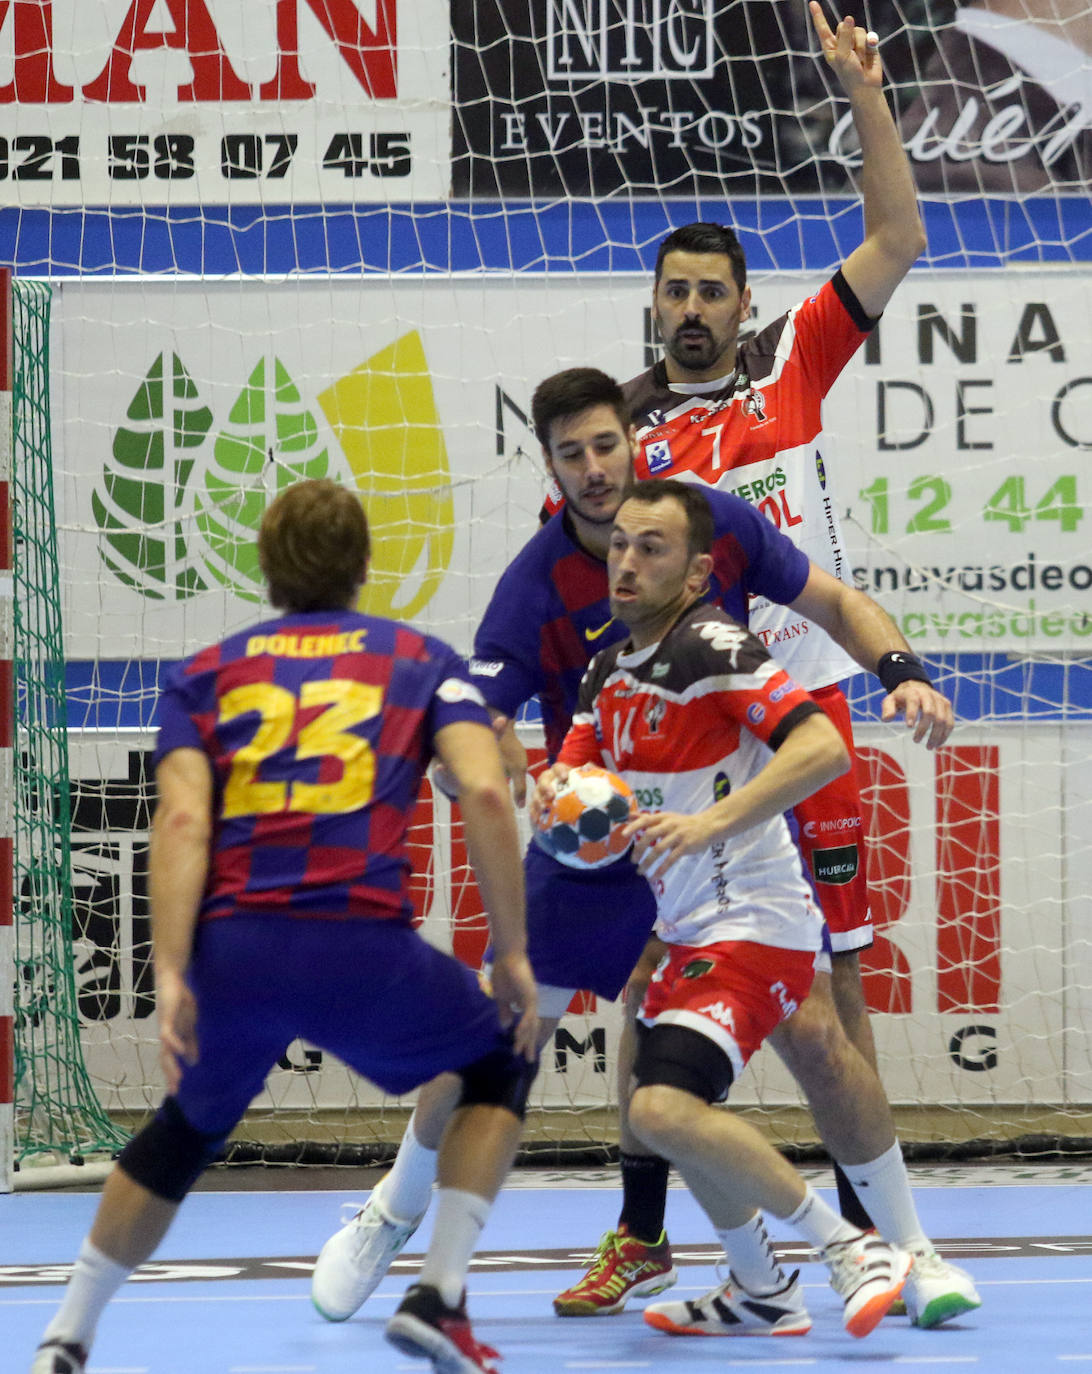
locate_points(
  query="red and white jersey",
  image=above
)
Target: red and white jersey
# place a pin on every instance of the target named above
(685, 722)
(759, 434)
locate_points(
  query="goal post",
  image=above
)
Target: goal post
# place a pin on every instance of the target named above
(58, 1119)
(348, 239)
(7, 723)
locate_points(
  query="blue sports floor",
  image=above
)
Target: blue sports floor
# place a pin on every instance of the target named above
(229, 1292)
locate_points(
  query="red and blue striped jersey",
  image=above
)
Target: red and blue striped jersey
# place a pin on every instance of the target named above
(550, 612)
(318, 727)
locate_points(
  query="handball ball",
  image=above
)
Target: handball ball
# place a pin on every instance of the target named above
(582, 827)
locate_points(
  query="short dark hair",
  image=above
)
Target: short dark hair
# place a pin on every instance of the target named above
(705, 238)
(696, 508)
(313, 546)
(572, 391)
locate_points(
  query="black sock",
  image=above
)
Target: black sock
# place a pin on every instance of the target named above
(849, 1204)
(644, 1196)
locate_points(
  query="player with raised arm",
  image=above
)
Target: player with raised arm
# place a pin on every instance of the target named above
(746, 417)
(691, 705)
(289, 759)
(548, 616)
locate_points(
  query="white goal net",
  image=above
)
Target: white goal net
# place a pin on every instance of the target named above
(299, 238)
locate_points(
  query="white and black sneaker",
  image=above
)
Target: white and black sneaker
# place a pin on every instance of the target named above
(354, 1260)
(59, 1357)
(868, 1274)
(731, 1311)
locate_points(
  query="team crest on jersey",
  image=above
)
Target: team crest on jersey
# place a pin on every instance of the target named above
(658, 455)
(755, 405)
(821, 469)
(654, 715)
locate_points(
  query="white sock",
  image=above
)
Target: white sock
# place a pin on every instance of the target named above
(407, 1189)
(884, 1189)
(818, 1223)
(460, 1217)
(95, 1279)
(751, 1257)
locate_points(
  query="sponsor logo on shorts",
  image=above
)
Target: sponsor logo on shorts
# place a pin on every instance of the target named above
(835, 866)
(722, 785)
(840, 824)
(697, 968)
(722, 1015)
(787, 1004)
(484, 667)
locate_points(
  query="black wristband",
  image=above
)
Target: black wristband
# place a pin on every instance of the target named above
(901, 667)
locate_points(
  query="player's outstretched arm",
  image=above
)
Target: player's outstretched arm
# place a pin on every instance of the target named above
(470, 755)
(810, 756)
(178, 865)
(894, 237)
(867, 633)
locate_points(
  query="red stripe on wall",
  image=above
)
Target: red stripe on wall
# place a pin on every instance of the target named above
(7, 1060)
(968, 840)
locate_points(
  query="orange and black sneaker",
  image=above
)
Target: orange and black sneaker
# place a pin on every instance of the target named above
(623, 1267)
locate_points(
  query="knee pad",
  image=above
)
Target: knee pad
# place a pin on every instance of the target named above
(168, 1155)
(501, 1078)
(677, 1057)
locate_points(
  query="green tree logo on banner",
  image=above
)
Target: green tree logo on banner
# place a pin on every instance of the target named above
(141, 505)
(179, 514)
(271, 442)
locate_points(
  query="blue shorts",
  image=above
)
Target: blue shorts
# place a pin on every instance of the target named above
(373, 993)
(586, 929)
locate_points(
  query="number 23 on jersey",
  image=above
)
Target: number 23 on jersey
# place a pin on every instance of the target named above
(328, 735)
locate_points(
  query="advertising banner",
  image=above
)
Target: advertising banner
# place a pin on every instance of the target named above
(957, 450)
(665, 98)
(189, 102)
(975, 972)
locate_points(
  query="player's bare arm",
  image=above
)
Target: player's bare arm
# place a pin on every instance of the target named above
(178, 867)
(811, 755)
(513, 755)
(470, 755)
(864, 629)
(894, 237)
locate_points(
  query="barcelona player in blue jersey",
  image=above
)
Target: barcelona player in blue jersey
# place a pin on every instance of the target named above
(550, 614)
(288, 761)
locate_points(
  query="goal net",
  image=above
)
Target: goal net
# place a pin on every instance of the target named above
(348, 238)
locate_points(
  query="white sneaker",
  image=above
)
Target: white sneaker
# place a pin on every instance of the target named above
(731, 1311)
(354, 1259)
(868, 1274)
(936, 1291)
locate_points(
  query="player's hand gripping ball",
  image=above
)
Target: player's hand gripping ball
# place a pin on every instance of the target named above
(582, 826)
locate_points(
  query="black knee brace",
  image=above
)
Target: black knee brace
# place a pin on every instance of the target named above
(501, 1078)
(677, 1057)
(168, 1155)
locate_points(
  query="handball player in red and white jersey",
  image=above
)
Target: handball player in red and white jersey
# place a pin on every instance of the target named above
(692, 708)
(745, 416)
